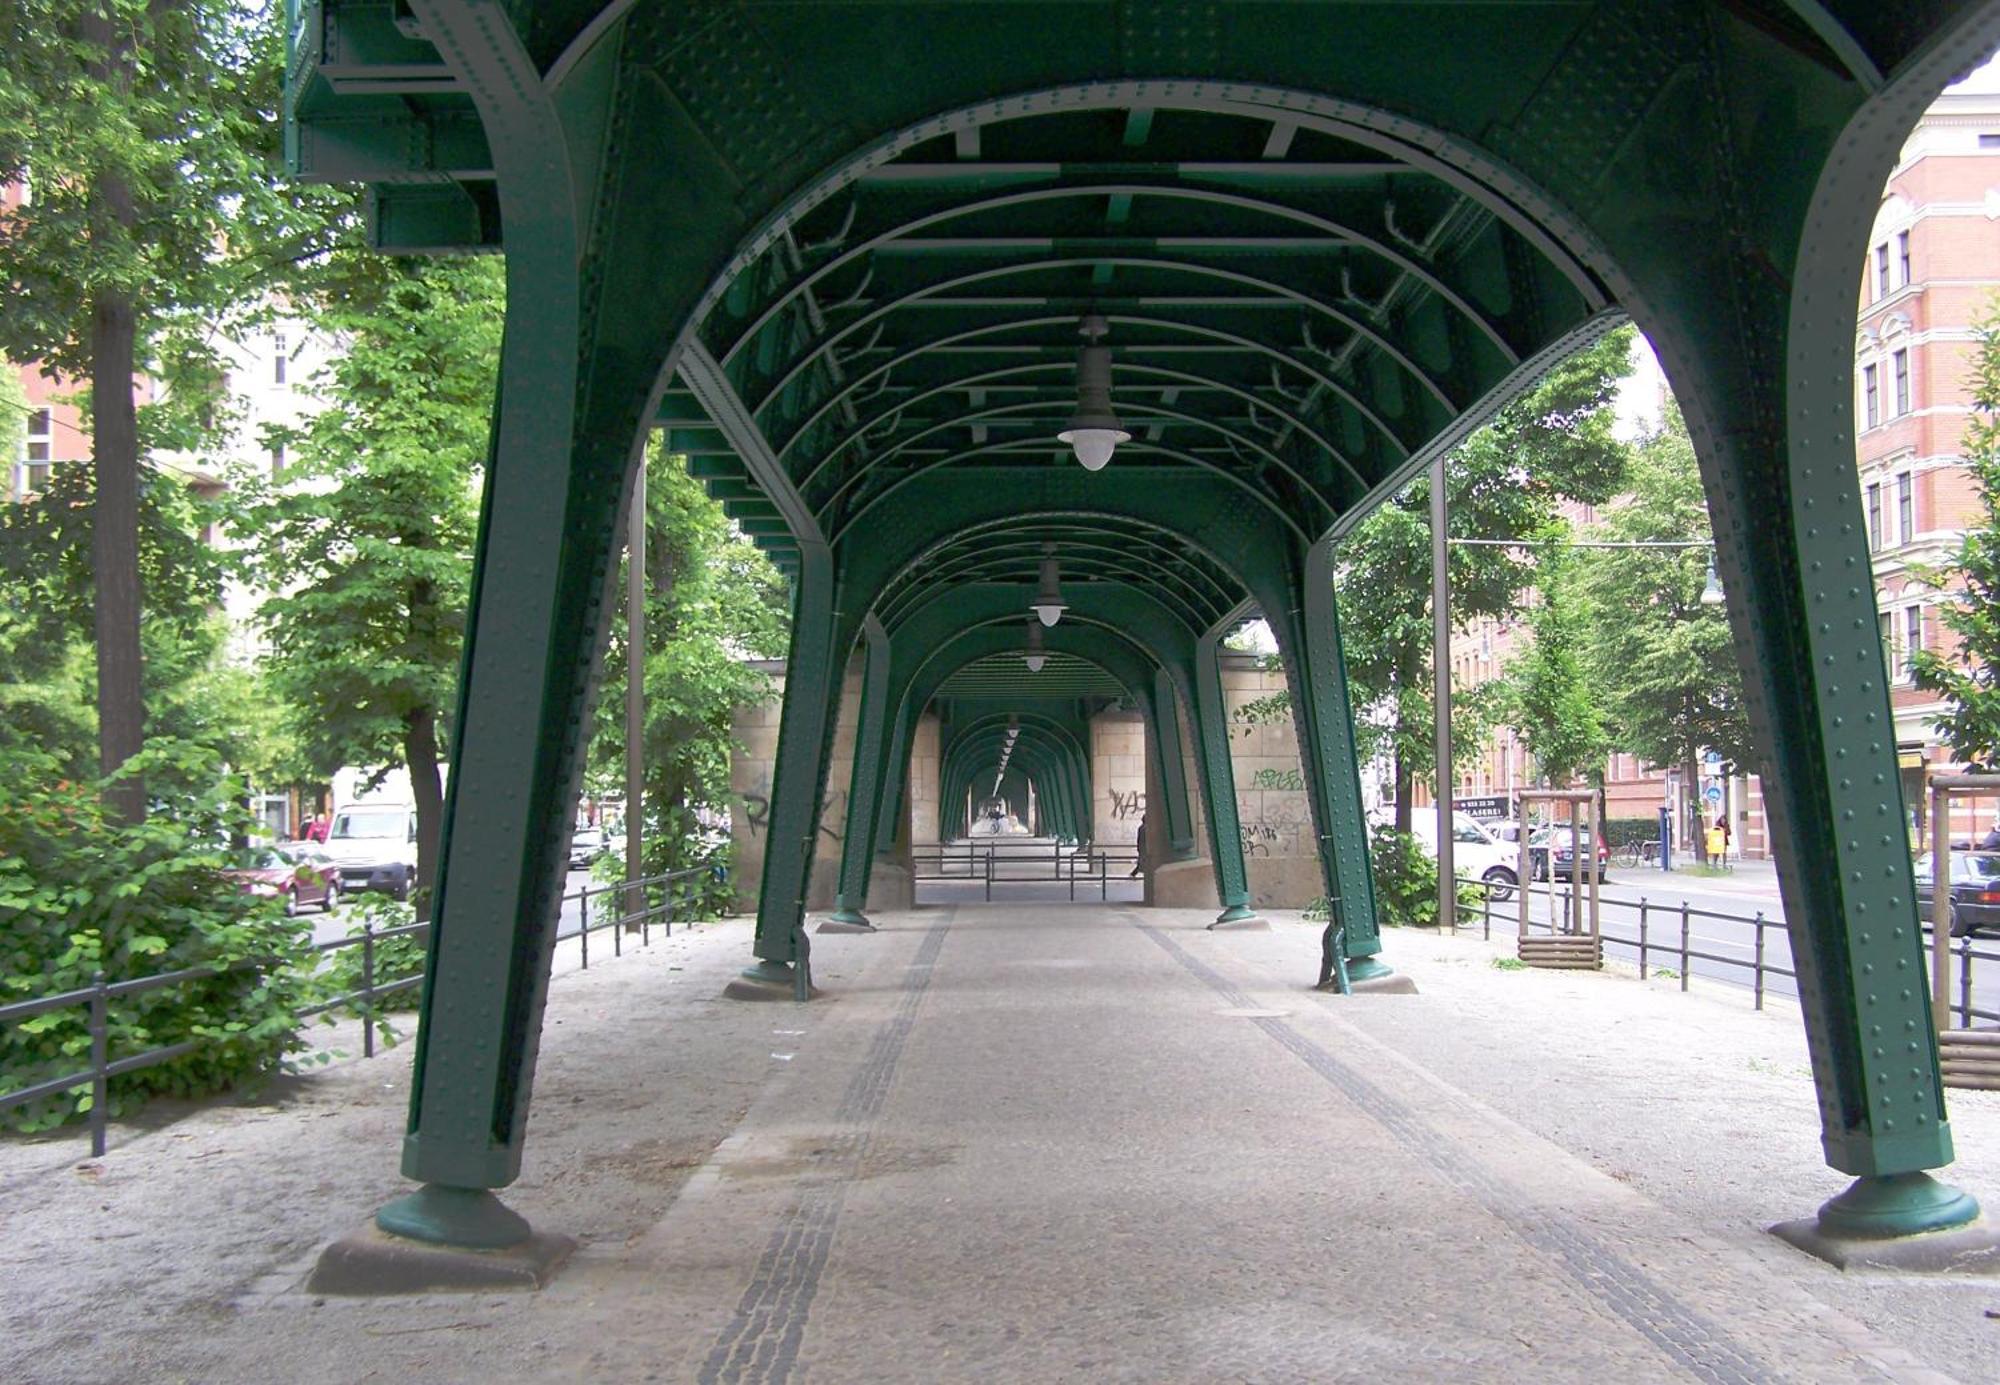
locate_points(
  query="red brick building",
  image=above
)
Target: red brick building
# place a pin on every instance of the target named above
(1932, 275)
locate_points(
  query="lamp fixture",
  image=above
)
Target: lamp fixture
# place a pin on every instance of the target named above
(1711, 589)
(1094, 430)
(1033, 655)
(1048, 604)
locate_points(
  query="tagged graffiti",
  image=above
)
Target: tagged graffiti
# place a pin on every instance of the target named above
(757, 812)
(1129, 804)
(1277, 779)
(1279, 829)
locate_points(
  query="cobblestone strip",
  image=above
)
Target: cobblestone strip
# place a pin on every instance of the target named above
(761, 1342)
(1684, 1336)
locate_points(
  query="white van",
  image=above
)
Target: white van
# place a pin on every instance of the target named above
(375, 846)
(1475, 853)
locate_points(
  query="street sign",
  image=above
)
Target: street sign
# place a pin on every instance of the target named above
(1713, 794)
(1487, 808)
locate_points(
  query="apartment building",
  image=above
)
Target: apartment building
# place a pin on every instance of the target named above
(1932, 275)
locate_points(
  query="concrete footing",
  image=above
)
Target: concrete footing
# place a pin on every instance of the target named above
(1973, 1249)
(767, 981)
(845, 921)
(372, 1262)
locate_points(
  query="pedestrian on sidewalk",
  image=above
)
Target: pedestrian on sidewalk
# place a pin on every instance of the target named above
(1140, 846)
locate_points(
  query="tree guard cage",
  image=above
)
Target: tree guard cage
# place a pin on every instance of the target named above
(1576, 936)
(840, 253)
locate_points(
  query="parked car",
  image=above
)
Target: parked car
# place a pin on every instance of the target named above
(1975, 892)
(1551, 848)
(1475, 854)
(297, 872)
(585, 846)
(375, 846)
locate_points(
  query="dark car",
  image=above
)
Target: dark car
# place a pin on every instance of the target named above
(299, 873)
(1555, 844)
(1975, 891)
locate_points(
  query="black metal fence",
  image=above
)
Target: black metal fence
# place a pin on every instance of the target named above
(640, 906)
(989, 863)
(1652, 934)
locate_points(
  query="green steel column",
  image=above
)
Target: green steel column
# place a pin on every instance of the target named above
(1309, 639)
(895, 782)
(1164, 714)
(1218, 782)
(813, 674)
(865, 788)
(525, 668)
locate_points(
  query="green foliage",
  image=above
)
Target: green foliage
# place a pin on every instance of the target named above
(1625, 831)
(1969, 680)
(47, 589)
(1548, 693)
(712, 602)
(348, 970)
(1509, 964)
(1506, 481)
(82, 892)
(1406, 879)
(371, 548)
(150, 137)
(1666, 663)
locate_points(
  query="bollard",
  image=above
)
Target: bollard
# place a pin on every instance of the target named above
(1642, 938)
(583, 938)
(100, 1056)
(367, 988)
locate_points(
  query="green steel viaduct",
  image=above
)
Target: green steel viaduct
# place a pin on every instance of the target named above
(888, 272)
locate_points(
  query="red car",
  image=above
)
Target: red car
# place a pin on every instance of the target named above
(298, 872)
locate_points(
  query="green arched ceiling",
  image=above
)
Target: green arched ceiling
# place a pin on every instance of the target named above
(879, 224)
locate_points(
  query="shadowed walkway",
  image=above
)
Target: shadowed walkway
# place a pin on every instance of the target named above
(1036, 1144)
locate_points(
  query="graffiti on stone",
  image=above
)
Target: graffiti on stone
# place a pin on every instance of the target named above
(1281, 779)
(1129, 803)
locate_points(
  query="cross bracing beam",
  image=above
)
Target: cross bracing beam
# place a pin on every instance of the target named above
(706, 380)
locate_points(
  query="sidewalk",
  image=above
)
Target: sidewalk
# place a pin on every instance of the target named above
(1037, 1143)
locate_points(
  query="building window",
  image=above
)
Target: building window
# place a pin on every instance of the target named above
(1887, 624)
(1871, 396)
(1906, 508)
(278, 359)
(1882, 269)
(1900, 363)
(1989, 141)
(35, 453)
(277, 460)
(1874, 515)
(1903, 255)
(1913, 640)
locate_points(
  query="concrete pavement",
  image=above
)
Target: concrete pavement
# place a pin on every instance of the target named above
(1048, 1143)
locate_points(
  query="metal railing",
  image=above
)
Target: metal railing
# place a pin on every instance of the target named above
(1642, 937)
(990, 863)
(656, 903)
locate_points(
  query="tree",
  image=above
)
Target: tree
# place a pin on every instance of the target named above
(146, 131)
(368, 541)
(1666, 662)
(1506, 481)
(47, 609)
(712, 602)
(1970, 576)
(1548, 692)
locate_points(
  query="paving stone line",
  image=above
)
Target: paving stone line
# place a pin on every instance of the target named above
(762, 1339)
(1684, 1336)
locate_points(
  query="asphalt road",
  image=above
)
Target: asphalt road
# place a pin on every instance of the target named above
(1722, 932)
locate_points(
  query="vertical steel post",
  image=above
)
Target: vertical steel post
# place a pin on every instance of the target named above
(367, 988)
(1684, 945)
(1758, 924)
(1441, 688)
(1642, 938)
(100, 1056)
(635, 680)
(1940, 908)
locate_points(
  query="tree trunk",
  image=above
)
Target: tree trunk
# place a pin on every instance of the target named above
(420, 753)
(121, 707)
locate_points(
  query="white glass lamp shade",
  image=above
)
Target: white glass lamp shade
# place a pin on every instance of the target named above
(1035, 661)
(1048, 612)
(1093, 446)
